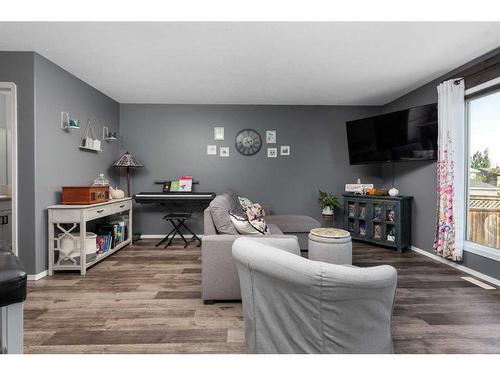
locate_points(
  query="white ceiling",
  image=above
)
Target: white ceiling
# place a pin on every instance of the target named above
(254, 63)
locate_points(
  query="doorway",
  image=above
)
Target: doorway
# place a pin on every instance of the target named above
(8, 167)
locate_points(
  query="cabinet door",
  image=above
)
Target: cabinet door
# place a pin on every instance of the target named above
(390, 219)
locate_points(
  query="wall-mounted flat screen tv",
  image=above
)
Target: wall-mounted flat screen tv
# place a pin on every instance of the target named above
(408, 135)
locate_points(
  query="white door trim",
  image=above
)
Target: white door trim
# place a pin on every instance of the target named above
(13, 106)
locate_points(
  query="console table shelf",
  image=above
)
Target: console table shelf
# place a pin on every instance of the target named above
(382, 220)
(79, 215)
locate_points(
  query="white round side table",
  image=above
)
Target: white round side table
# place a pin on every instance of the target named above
(330, 245)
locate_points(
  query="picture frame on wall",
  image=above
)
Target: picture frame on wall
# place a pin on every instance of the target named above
(270, 136)
(285, 150)
(272, 152)
(218, 133)
(211, 149)
(224, 152)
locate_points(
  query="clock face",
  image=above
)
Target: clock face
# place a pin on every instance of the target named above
(248, 142)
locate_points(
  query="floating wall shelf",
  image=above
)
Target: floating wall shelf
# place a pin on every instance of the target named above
(107, 135)
(68, 123)
(88, 149)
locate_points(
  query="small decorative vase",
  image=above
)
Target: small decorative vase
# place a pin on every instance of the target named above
(393, 192)
(327, 211)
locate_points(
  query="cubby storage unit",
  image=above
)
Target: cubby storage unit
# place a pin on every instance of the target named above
(382, 220)
(70, 222)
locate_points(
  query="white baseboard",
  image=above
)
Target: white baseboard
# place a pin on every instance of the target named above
(472, 272)
(159, 236)
(38, 276)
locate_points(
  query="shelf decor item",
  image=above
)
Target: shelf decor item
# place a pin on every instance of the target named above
(107, 135)
(68, 123)
(116, 193)
(84, 194)
(101, 180)
(89, 140)
(127, 160)
(328, 202)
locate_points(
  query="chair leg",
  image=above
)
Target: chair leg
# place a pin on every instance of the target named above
(195, 237)
(176, 230)
(164, 238)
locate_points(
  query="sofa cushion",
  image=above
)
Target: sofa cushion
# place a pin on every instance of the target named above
(219, 209)
(274, 229)
(247, 225)
(293, 223)
(242, 224)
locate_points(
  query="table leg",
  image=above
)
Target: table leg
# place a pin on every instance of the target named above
(83, 235)
(51, 244)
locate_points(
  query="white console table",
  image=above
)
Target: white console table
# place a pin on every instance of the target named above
(75, 215)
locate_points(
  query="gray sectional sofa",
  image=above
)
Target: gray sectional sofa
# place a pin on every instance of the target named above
(219, 277)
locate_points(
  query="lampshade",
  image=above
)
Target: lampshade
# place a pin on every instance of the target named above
(127, 160)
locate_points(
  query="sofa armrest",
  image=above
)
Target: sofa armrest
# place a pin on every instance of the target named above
(288, 243)
(221, 242)
(219, 276)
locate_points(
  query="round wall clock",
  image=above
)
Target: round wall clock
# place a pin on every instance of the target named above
(248, 142)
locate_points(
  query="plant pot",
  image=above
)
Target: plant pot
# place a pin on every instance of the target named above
(327, 210)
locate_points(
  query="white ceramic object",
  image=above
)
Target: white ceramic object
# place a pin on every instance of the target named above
(393, 192)
(327, 211)
(116, 193)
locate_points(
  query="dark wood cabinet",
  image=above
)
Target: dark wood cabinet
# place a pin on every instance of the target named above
(382, 220)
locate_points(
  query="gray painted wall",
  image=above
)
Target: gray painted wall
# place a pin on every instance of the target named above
(419, 178)
(171, 140)
(17, 67)
(58, 161)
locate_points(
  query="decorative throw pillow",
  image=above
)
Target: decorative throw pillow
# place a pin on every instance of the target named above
(255, 211)
(260, 225)
(244, 203)
(242, 224)
(245, 226)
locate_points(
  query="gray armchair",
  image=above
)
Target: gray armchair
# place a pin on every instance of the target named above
(295, 305)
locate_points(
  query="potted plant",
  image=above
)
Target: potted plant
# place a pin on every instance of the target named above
(328, 202)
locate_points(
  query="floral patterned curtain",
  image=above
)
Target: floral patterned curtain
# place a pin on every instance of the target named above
(451, 167)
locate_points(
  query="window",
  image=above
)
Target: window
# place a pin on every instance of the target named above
(483, 179)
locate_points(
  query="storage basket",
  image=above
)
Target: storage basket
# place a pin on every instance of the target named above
(71, 247)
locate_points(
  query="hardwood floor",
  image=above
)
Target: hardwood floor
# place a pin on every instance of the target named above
(147, 300)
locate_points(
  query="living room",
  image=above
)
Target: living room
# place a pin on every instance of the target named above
(250, 187)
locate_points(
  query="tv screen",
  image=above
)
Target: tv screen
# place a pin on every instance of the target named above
(398, 136)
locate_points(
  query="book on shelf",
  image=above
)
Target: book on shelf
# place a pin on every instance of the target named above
(110, 235)
(391, 215)
(362, 211)
(185, 183)
(362, 228)
(350, 209)
(174, 185)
